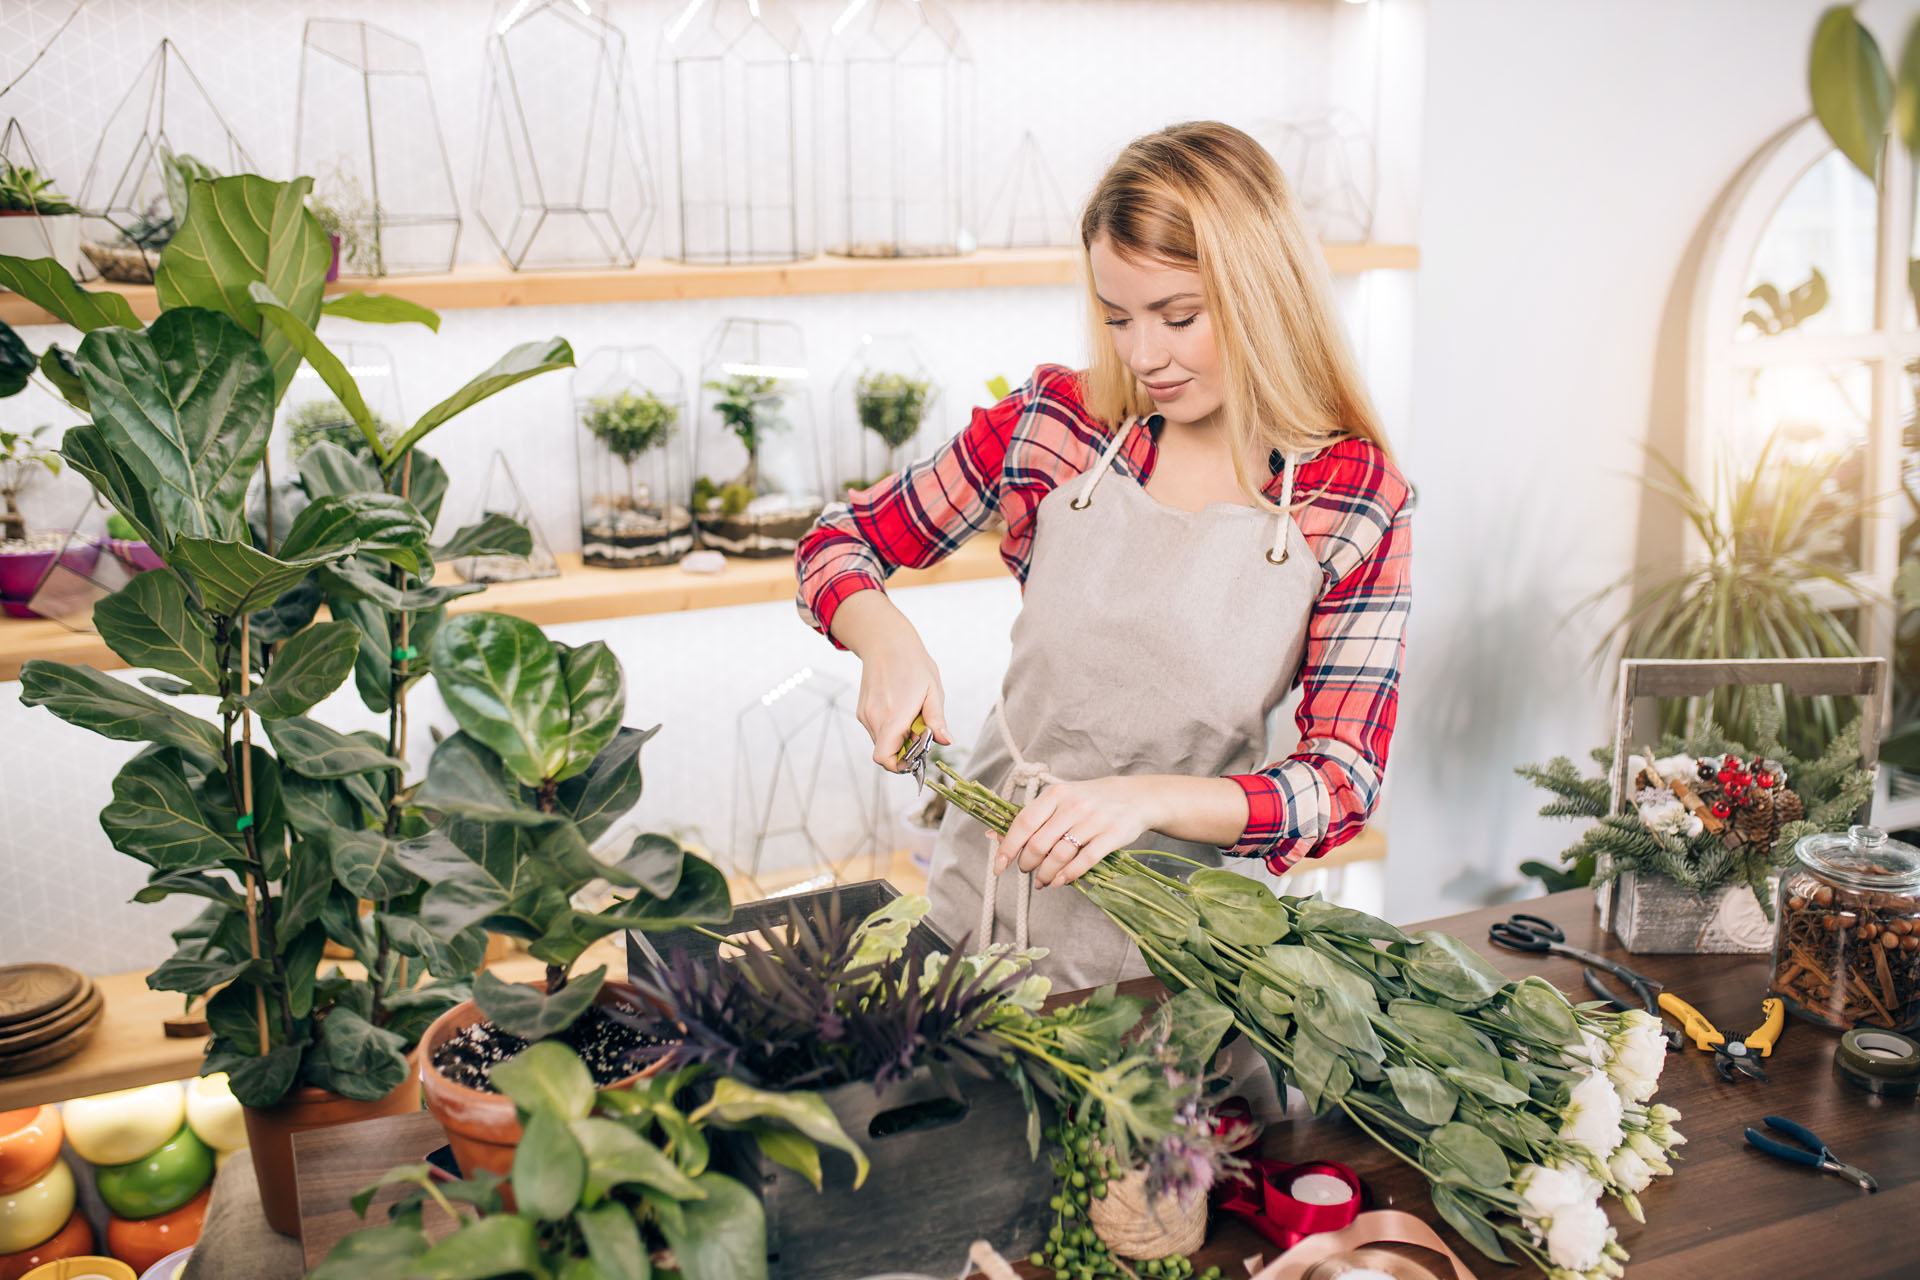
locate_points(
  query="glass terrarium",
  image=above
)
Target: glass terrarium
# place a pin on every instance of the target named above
(630, 407)
(738, 93)
(309, 414)
(164, 132)
(896, 102)
(756, 485)
(881, 403)
(502, 495)
(1027, 210)
(562, 177)
(365, 127)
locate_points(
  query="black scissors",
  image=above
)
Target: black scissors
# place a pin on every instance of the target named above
(1522, 932)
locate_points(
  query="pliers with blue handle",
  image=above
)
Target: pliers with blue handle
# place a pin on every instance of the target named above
(1818, 1156)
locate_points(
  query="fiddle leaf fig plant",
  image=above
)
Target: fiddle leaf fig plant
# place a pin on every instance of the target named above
(284, 838)
(541, 769)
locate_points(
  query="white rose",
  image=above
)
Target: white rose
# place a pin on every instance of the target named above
(1577, 1237)
(1629, 1170)
(1544, 1190)
(1593, 1117)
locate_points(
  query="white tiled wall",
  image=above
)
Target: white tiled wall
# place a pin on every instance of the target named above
(1083, 75)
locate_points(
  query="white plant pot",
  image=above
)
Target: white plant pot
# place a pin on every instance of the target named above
(919, 839)
(26, 235)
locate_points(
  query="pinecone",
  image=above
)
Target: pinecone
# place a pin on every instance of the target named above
(1756, 825)
(1787, 806)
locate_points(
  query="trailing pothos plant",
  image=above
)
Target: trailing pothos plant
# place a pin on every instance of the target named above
(284, 843)
(541, 769)
(600, 1183)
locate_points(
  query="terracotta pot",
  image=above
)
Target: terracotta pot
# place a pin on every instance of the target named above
(71, 1241)
(141, 1242)
(29, 1144)
(270, 1135)
(483, 1128)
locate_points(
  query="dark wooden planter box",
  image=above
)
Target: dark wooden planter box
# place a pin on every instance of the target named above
(944, 1173)
(962, 1174)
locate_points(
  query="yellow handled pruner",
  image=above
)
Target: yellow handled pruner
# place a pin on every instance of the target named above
(1730, 1056)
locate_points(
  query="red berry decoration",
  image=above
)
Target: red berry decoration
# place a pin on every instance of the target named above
(1722, 809)
(1764, 781)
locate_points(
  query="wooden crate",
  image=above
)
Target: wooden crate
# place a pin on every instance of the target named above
(1651, 915)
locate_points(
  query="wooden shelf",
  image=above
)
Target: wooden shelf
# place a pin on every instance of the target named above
(579, 594)
(657, 280)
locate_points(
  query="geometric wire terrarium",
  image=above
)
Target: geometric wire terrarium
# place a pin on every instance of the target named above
(1027, 210)
(897, 88)
(309, 414)
(1328, 157)
(756, 487)
(366, 130)
(881, 402)
(737, 90)
(630, 411)
(561, 178)
(503, 495)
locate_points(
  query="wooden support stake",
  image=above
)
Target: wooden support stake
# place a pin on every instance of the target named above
(246, 807)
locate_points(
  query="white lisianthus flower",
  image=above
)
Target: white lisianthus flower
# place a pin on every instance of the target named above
(1660, 1118)
(1593, 1117)
(1577, 1237)
(1545, 1190)
(1589, 1055)
(1639, 1053)
(1630, 1169)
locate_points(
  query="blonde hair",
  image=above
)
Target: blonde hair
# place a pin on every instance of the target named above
(1205, 197)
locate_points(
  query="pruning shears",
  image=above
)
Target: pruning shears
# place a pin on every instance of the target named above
(1730, 1056)
(1599, 987)
(915, 751)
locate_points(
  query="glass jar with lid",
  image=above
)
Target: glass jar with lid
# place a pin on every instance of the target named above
(1846, 938)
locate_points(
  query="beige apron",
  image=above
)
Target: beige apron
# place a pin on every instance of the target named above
(1150, 640)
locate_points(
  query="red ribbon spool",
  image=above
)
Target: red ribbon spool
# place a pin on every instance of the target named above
(1276, 1215)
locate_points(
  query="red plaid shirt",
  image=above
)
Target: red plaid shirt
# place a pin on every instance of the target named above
(1355, 518)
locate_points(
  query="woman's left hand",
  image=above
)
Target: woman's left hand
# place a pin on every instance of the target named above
(1101, 815)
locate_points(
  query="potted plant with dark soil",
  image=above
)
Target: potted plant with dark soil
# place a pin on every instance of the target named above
(283, 844)
(26, 557)
(35, 220)
(747, 513)
(134, 257)
(604, 1186)
(541, 769)
(635, 523)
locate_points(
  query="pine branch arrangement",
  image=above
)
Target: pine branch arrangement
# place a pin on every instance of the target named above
(1830, 788)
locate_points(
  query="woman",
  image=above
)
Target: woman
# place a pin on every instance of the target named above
(1205, 517)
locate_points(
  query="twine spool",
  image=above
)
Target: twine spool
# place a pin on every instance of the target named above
(1134, 1228)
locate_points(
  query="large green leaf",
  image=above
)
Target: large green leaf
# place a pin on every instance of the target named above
(156, 817)
(1339, 1017)
(332, 369)
(151, 622)
(494, 534)
(86, 450)
(531, 1013)
(235, 577)
(700, 898)
(1238, 908)
(1422, 1094)
(351, 580)
(113, 708)
(317, 751)
(616, 1156)
(379, 523)
(527, 360)
(1469, 1221)
(1459, 1153)
(380, 308)
(188, 407)
(1852, 93)
(740, 1105)
(1445, 966)
(57, 367)
(596, 699)
(16, 362)
(240, 230)
(505, 1244)
(375, 1253)
(356, 1058)
(327, 470)
(366, 862)
(308, 668)
(549, 1168)
(215, 795)
(503, 681)
(720, 1237)
(46, 284)
(546, 1076)
(613, 1243)
(1906, 92)
(460, 891)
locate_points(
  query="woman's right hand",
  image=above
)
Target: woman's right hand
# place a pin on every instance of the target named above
(898, 678)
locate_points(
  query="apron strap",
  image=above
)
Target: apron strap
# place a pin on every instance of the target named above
(1028, 777)
(1280, 550)
(1085, 495)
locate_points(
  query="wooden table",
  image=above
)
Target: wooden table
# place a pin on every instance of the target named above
(1728, 1210)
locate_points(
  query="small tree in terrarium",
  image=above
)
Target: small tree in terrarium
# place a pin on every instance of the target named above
(22, 457)
(757, 490)
(630, 408)
(890, 393)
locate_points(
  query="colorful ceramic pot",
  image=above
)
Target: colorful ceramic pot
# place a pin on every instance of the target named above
(21, 571)
(169, 1267)
(29, 1144)
(85, 1267)
(71, 1241)
(143, 1243)
(160, 1181)
(35, 1213)
(214, 1113)
(114, 1128)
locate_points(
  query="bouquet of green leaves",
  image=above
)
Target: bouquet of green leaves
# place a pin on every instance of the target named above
(1520, 1109)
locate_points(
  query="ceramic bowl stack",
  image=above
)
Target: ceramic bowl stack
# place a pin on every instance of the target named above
(38, 1221)
(47, 1012)
(152, 1168)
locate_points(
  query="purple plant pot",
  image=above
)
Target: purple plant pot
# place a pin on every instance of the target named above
(137, 556)
(333, 267)
(21, 571)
